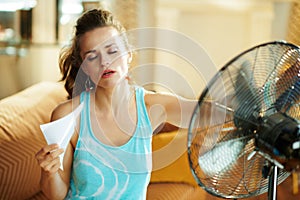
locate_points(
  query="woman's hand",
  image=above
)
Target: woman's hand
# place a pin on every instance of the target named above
(48, 158)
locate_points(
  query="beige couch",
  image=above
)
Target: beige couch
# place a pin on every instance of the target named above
(20, 138)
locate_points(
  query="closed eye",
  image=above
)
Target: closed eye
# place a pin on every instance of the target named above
(113, 50)
(92, 57)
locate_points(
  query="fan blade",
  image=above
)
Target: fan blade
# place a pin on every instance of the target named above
(248, 109)
(220, 157)
(288, 97)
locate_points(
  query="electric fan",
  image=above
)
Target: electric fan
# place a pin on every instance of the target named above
(243, 137)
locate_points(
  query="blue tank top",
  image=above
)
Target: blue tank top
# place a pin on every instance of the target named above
(100, 171)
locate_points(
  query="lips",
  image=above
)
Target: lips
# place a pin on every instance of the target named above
(107, 73)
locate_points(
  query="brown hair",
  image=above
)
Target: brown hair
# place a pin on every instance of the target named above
(70, 60)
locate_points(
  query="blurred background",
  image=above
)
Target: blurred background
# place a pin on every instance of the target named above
(32, 32)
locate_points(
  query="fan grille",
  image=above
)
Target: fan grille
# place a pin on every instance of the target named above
(257, 83)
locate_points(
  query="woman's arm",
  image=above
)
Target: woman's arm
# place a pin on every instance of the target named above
(170, 108)
(54, 181)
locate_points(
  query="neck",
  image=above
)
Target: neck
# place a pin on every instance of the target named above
(114, 99)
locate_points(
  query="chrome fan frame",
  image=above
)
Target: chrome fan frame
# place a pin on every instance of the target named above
(230, 112)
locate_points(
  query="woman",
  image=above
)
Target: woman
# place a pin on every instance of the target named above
(109, 155)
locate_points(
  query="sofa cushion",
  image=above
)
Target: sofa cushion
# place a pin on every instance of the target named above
(170, 158)
(20, 137)
(177, 191)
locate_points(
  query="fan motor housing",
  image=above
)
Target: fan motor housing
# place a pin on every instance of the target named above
(276, 135)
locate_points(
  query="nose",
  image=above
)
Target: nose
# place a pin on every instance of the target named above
(105, 65)
(105, 62)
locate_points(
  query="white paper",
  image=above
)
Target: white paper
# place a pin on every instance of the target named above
(60, 131)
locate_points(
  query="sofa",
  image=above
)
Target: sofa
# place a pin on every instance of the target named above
(20, 138)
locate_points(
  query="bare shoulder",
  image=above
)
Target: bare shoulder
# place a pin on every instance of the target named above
(64, 108)
(150, 97)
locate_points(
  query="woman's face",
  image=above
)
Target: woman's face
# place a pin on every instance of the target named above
(105, 56)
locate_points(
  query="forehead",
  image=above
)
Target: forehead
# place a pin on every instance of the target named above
(98, 37)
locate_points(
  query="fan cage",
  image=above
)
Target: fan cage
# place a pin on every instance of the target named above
(259, 82)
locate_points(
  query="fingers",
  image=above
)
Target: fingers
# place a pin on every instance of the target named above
(46, 150)
(48, 158)
(51, 166)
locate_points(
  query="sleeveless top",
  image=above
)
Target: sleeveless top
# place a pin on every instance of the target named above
(100, 171)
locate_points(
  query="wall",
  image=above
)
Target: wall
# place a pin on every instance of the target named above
(40, 61)
(222, 28)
